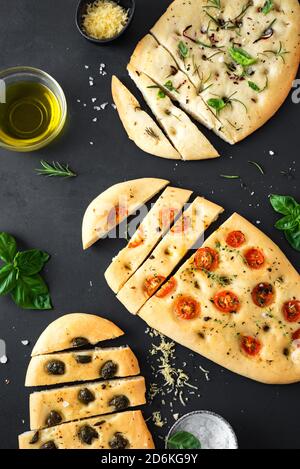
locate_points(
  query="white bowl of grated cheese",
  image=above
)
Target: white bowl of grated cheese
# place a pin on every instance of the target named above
(104, 21)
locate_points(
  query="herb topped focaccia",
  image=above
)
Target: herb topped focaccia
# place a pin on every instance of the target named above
(236, 302)
(73, 331)
(140, 127)
(56, 406)
(241, 56)
(126, 430)
(58, 368)
(114, 205)
(169, 252)
(153, 227)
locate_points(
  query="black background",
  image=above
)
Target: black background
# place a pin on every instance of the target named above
(47, 213)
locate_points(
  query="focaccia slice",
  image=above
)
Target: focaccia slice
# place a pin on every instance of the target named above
(153, 59)
(183, 133)
(151, 230)
(59, 368)
(140, 127)
(115, 204)
(73, 331)
(56, 406)
(126, 430)
(200, 36)
(237, 303)
(169, 252)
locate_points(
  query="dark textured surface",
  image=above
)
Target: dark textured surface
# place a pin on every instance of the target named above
(47, 213)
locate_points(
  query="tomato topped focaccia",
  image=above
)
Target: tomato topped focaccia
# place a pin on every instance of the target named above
(170, 251)
(236, 301)
(151, 230)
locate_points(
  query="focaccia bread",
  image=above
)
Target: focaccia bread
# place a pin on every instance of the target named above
(155, 61)
(236, 302)
(140, 127)
(183, 133)
(169, 252)
(59, 368)
(56, 406)
(153, 227)
(245, 53)
(75, 330)
(115, 204)
(126, 430)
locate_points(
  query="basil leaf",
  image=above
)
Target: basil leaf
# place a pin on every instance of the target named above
(286, 223)
(283, 204)
(169, 86)
(183, 440)
(8, 247)
(241, 57)
(183, 50)
(161, 94)
(31, 262)
(8, 279)
(254, 86)
(217, 103)
(293, 237)
(268, 6)
(32, 293)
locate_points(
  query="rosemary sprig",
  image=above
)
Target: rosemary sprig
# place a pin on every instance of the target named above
(151, 133)
(221, 280)
(213, 4)
(55, 169)
(258, 166)
(280, 52)
(267, 33)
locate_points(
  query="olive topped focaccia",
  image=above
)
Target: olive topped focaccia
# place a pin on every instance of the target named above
(139, 126)
(73, 331)
(115, 205)
(126, 430)
(59, 368)
(56, 406)
(151, 230)
(236, 301)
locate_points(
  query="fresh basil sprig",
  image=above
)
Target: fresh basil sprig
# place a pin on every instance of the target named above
(19, 276)
(241, 57)
(183, 50)
(183, 440)
(290, 223)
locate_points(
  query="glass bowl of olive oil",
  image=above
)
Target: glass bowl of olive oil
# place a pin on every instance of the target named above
(33, 109)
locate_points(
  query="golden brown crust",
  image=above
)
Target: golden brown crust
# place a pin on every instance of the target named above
(131, 425)
(66, 403)
(78, 368)
(60, 334)
(217, 336)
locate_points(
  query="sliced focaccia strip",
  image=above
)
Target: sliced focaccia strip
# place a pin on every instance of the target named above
(237, 303)
(152, 59)
(140, 127)
(115, 204)
(255, 91)
(73, 331)
(126, 430)
(149, 233)
(183, 133)
(169, 252)
(58, 368)
(50, 408)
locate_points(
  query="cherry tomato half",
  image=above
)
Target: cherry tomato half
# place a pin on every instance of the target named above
(166, 217)
(187, 307)
(235, 239)
(263, 295)
(167, 289)
(296, 335)
(291, 311)
(152, 284)
(206, 258)
(227, 302)
(182, 225)
(138, 239)
(117, 214)
(255, 258)
(250, 345)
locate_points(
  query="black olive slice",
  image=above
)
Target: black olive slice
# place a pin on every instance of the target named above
(120, 402)
(49, 445)
(80, 342)
(54, 418)
(55, 367)
(87, 434)
(35, 438)
(83, 359)
(85, 396)
(118, 441)
(108, 370)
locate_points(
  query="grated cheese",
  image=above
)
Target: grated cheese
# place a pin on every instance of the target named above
(158, 422)
(104, 19)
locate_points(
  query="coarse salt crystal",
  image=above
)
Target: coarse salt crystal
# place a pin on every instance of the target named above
(25, 342)
(271, 153)
(65, 404)
(3, 359)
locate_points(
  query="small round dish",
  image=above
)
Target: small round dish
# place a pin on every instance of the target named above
(20, 75)
(212, 430)
(81, 11)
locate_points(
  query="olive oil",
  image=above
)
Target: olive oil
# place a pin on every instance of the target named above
(30, 115)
